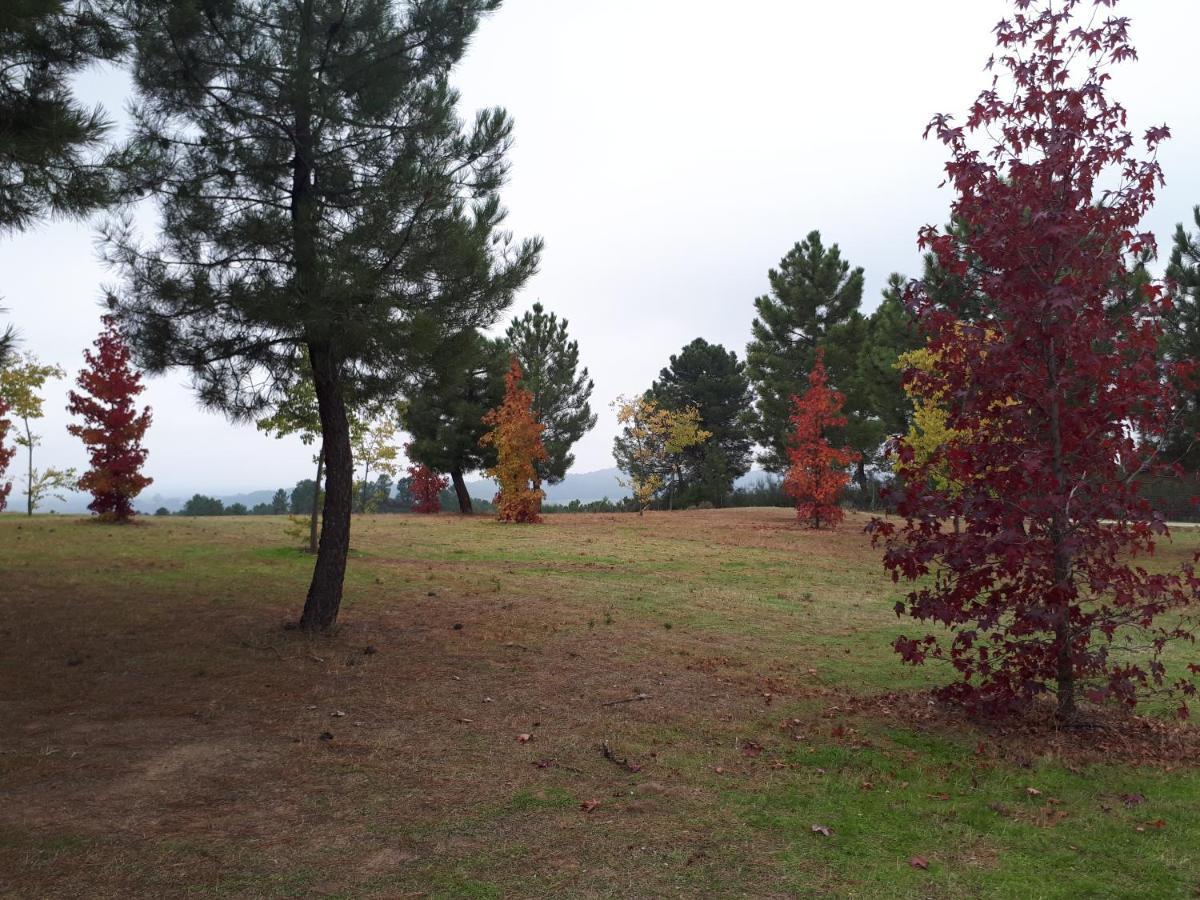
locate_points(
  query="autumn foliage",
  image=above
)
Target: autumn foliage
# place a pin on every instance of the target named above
(1054, 401)
(6, 455)
(817, 473)
(112, 427)
(517, 437)
(426, 487)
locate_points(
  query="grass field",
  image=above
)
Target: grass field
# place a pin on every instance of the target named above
(699, 690)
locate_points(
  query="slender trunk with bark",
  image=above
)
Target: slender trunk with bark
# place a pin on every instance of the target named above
(29, 474)
(460, 490)
(313, 525)
(1063, 638)
(325, 592)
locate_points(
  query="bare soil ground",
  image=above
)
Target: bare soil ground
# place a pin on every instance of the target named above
(601, 706)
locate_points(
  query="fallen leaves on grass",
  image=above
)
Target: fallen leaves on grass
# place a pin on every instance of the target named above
(524, 738)
(589, 805)
(823, 830)
(919, 862)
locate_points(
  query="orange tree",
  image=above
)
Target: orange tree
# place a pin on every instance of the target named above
(817, 473)
(516, 436)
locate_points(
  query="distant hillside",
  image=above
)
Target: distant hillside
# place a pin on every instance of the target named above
(589, 486)
(582, 486)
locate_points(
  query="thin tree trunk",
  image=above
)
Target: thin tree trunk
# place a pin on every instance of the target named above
(313, 530)
(1063, 639)
(325, 592)
(460, 490)
(29, 475)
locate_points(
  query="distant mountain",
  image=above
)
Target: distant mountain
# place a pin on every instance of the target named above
(589, 486)
(147, 503)
(582, 486)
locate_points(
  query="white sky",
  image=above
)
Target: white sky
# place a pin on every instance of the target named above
(669, 152)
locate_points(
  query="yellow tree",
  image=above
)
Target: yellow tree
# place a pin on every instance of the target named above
(649, 449)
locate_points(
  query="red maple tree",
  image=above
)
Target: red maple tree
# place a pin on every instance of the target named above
(818, 472)
(517, 436)
(113, 428)
(426, 486)
(6, 455)
(1058, 398)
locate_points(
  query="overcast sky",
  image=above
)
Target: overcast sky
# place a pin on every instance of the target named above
(669, 152)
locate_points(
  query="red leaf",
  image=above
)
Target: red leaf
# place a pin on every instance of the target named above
(919, 862)
(588, 805)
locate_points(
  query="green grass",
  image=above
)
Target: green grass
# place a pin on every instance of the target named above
(732, 623)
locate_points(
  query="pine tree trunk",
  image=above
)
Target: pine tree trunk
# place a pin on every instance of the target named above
(316, 504)
(460, 490)
(325, 592)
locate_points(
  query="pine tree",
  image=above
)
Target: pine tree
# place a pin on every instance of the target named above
(814, 302)
(113, 428)
(713, 381)
(321, 199)
(891, 332)
(50, 159)
(517, 438)
(446, 404)
(816, 475)
(1181, 342)
(561, 390)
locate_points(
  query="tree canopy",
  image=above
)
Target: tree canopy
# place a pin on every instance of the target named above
(320, 198)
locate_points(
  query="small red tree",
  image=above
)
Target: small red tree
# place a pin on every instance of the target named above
(426, 486)
(6, 455)
(1058, 398)
(113, 428)
(517, 436)
(817, 474)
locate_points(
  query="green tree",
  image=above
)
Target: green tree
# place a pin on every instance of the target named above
(813, 302)
(878, 391)
(296, 413)
(561, 390)
(374, 445)
(20, 387)
(1181, 342)
(712, 380)
(201, 505)
(303, 496)
(650, 446)
(320, 194)
(51, 159)
(446, 404)
(279, 503)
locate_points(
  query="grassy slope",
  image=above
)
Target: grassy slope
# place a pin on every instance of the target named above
(163, 732)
